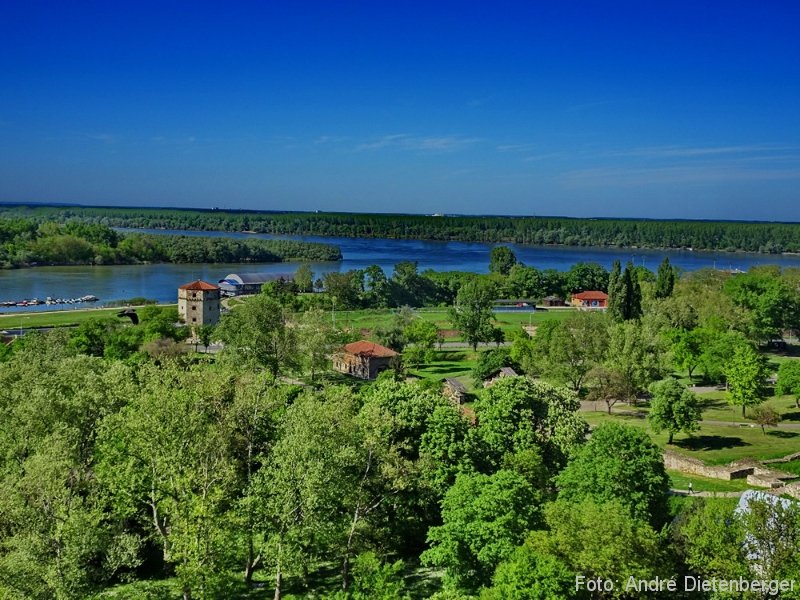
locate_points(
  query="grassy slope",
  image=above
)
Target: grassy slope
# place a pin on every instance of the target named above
(457, 364)
(58, 318)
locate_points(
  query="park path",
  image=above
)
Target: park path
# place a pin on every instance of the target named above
(677, 492)
(589, 406)
(466, 345)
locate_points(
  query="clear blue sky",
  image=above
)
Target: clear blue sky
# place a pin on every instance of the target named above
(651, 109)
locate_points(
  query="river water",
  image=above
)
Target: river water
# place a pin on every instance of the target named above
(159, 282)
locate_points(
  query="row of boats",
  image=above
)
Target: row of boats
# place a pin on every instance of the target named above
(50, 301)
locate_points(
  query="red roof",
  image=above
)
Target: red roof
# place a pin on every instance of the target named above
(591, 296)
(199, 285)
(365, 348)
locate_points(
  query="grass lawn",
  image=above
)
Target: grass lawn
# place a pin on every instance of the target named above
(59, 318)
(716, 444)
(507, 321)
(373, 319)
(457, 364)
(792, 466)
(514, 320)
(706, 484)
(716, 408)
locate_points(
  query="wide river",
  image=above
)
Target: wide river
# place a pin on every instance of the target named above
(159, 282)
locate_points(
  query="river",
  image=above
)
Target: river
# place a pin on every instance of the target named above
(159, 282)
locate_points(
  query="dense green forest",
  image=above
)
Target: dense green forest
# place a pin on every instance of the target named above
(132, 466)
(700, 235)
(26, 242)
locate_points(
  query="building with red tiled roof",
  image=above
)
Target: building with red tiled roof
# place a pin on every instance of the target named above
(590, 300)
(199, 285)
(364, 359)
(198, 303)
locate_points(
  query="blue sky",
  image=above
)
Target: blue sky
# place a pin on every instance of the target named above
(640, 109)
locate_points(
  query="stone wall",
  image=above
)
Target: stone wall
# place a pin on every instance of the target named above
(750, 469)
(693, 466)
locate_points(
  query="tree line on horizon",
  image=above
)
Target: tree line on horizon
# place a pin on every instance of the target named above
(765, 237)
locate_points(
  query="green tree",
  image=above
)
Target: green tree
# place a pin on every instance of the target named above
(393, 335)
(586, 276)
(377, 288)
(251, 424)
(665, 281)
(789, 380)
(601, 539)
(616, 294)
(566, 351)
(57, 536)
(530, 574)
(746, 373)
(444, 448)
(765, 416)
(524, 282)
(632, 306)
(408, 287)
(708, 537)
(758, 538)
(92, 336)
(772, 305)
(344, 289)
(304, 278)
(472, 313)
(687, 349)
(484, 517)
(422, 336)
(375, 580)
(205, 333)
(771, 540)
(517, 415)
(387, 486)
(673, 408)
(489, 362)
(259, 333)
(501, 260)
(317, 339)
(619, 463)
(610, 386)
(167, 462)
(299, 493)
(636, 352)
(718, 349)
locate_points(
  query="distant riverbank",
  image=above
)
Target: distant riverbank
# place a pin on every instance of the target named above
(160, 281)
(723, 236)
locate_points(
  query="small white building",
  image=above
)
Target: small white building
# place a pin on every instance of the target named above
(199, 303)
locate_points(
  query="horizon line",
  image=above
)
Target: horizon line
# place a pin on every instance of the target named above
(388, 214)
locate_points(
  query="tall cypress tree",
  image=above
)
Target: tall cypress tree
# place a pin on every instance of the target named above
(632, 305)
(616, 293)
(665, 282)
